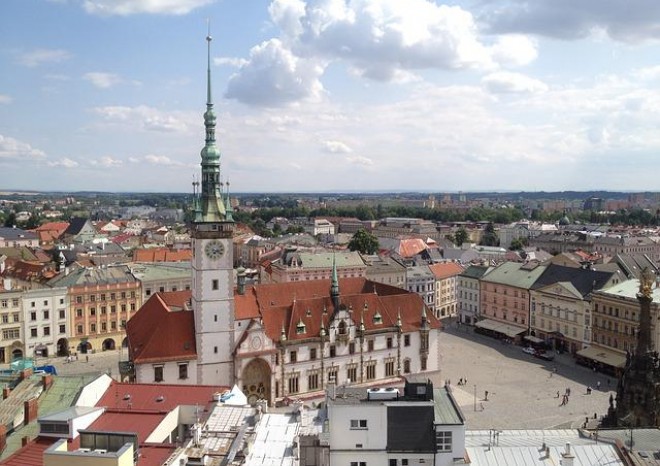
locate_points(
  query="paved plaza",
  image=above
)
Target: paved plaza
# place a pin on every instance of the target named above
(522, 390)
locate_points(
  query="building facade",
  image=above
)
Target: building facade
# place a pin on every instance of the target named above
(446, 302)
(46, 322)
(468, 284)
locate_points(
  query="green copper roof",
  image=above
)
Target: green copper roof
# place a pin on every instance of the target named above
(515, 274)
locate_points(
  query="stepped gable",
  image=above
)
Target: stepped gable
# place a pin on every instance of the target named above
(163, 329)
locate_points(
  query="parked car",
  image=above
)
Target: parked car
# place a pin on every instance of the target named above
(529, 350)
(544, 355)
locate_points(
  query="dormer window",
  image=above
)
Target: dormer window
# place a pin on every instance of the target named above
(378, 319)
(300, 328)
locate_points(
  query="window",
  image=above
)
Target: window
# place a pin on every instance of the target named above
(351, 348)
(5, 318)
(370, 345)
(92, 298)
(406, 366)
(312, 354)
(371, 371)
(358, 424)
(92, 311)
(123, 308)
(79, 299)
(183, 371)
(293, 356)
(14, 302)
(361, 463)
(104, 326)
(158, 373)
(293, 383)
(148, 292)
(443, 441)
(393, 462)
(46, 331)
(112, 296)
(313, 381)
(113, 309)
(11, 334)
(113, 325)
(389, 368)
(133, 293)
(215, 284)
(351, 374)
(333, 351)
(332, 375)
(123, 295)
(33, 316)
(102, 296)
(406, 340)
(16, 317)
(33, 332)
(62, 328)
(62, 314)
(389, 342)
(104, 310)
(132, 307)
(79, 329)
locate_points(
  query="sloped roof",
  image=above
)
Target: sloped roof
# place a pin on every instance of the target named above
(75, 226)
(411, 247)
(16, 234)
(515, 274)
(445, 270)
(475, 271)
(32, 454)
(161, 330)
(144, 397)
(585, 281)
(161, 255)
(142, 423)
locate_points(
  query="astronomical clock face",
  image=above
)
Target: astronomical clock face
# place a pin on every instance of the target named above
(214, 250)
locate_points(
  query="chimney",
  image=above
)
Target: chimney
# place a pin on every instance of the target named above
(30, 410)
(567, 456)
(5, 392)
(3, 437)
(47, 381)
(24, 441)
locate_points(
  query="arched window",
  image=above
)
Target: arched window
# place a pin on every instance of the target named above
(406, 366)
(341, 328)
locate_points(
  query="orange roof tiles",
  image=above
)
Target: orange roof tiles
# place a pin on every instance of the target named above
(445, 270)
(411, 247)
(30, 455)
(161, 330)
(143, 424)
(162, 255)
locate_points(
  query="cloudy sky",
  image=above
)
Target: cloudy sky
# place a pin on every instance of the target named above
(323, 95)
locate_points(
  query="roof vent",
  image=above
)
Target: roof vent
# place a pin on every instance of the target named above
(127, 396)
(160, 399)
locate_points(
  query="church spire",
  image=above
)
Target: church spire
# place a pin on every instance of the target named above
(334, 287)
(211, 208)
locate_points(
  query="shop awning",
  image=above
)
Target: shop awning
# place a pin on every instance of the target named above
(510, 331)
(533, 339)
(604, 356)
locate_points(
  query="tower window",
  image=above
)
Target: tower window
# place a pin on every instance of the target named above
(215, 284)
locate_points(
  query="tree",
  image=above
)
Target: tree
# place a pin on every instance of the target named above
(363, 242)
(461, 236)
(10, 220)
(489, 237)
(518, 244)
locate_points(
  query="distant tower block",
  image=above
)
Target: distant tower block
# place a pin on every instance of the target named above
(430, 203)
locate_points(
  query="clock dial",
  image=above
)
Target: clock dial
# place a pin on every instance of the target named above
(214, 250)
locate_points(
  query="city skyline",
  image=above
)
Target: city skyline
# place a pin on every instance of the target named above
(330, 95)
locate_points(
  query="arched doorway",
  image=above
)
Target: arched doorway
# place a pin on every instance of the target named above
(84, 347)
(16, 353)
(108, 344)
(62, 347)
(256, 381)
(124, 342)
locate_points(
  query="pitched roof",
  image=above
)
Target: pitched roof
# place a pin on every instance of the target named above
(32, 454)
(75, 226)
(515, 274)
(145, 397)
(411, 247)
(162, 330)
(142, 423)
(161, 255)
(585, 281)
(16, 234)
(445, 270)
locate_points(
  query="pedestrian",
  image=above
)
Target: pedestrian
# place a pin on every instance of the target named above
(557, 394)
(588, 390)
(486, 395)
(598, 385)
(464, 380)
(568, 391)
(87, 358)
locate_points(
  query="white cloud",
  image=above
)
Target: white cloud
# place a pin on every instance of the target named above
(650, 73)
(508, 82)
(230, 61)
(131, 7)
(107, 162)
(64, 163)
(102, 80)
(274, 76)
(5, 99)
(148, 118)
(360, 160)
(11, 148)
(38, 57)
(514, 50)
(335, 147)
(161, 160)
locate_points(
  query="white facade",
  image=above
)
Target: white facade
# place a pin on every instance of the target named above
(468, 299)
(11, 323)
(213, 305)
(45, 320)
(421, 280)
(183, 372)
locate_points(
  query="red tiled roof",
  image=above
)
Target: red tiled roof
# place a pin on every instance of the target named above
(411, 247)
(445, 270)
(154, 455)
(161, 331)
(118, 239)
(143, 397)
(143, 424)
(246, 306)
(32, 454)
(161, 255)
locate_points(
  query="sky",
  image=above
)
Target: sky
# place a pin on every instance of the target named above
(331, 95)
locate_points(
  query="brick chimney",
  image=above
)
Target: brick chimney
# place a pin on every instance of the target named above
(24, 441)
(3, 437)
(47, 381)
(25, 373)
(30, 411)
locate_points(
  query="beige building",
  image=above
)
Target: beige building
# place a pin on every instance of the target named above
(384, 269)
(11, 323)
(446, 297)
(296, 266)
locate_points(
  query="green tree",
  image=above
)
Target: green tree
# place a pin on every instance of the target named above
(518, 244)
(461, 236)
(10, 220)
(363, 242)
(489, 238)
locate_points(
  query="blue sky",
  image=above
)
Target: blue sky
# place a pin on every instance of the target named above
(324, 95)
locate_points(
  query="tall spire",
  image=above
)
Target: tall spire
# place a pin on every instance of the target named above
(212, 208)
(334, 286)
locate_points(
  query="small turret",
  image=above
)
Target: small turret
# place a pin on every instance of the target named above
(334, 287)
